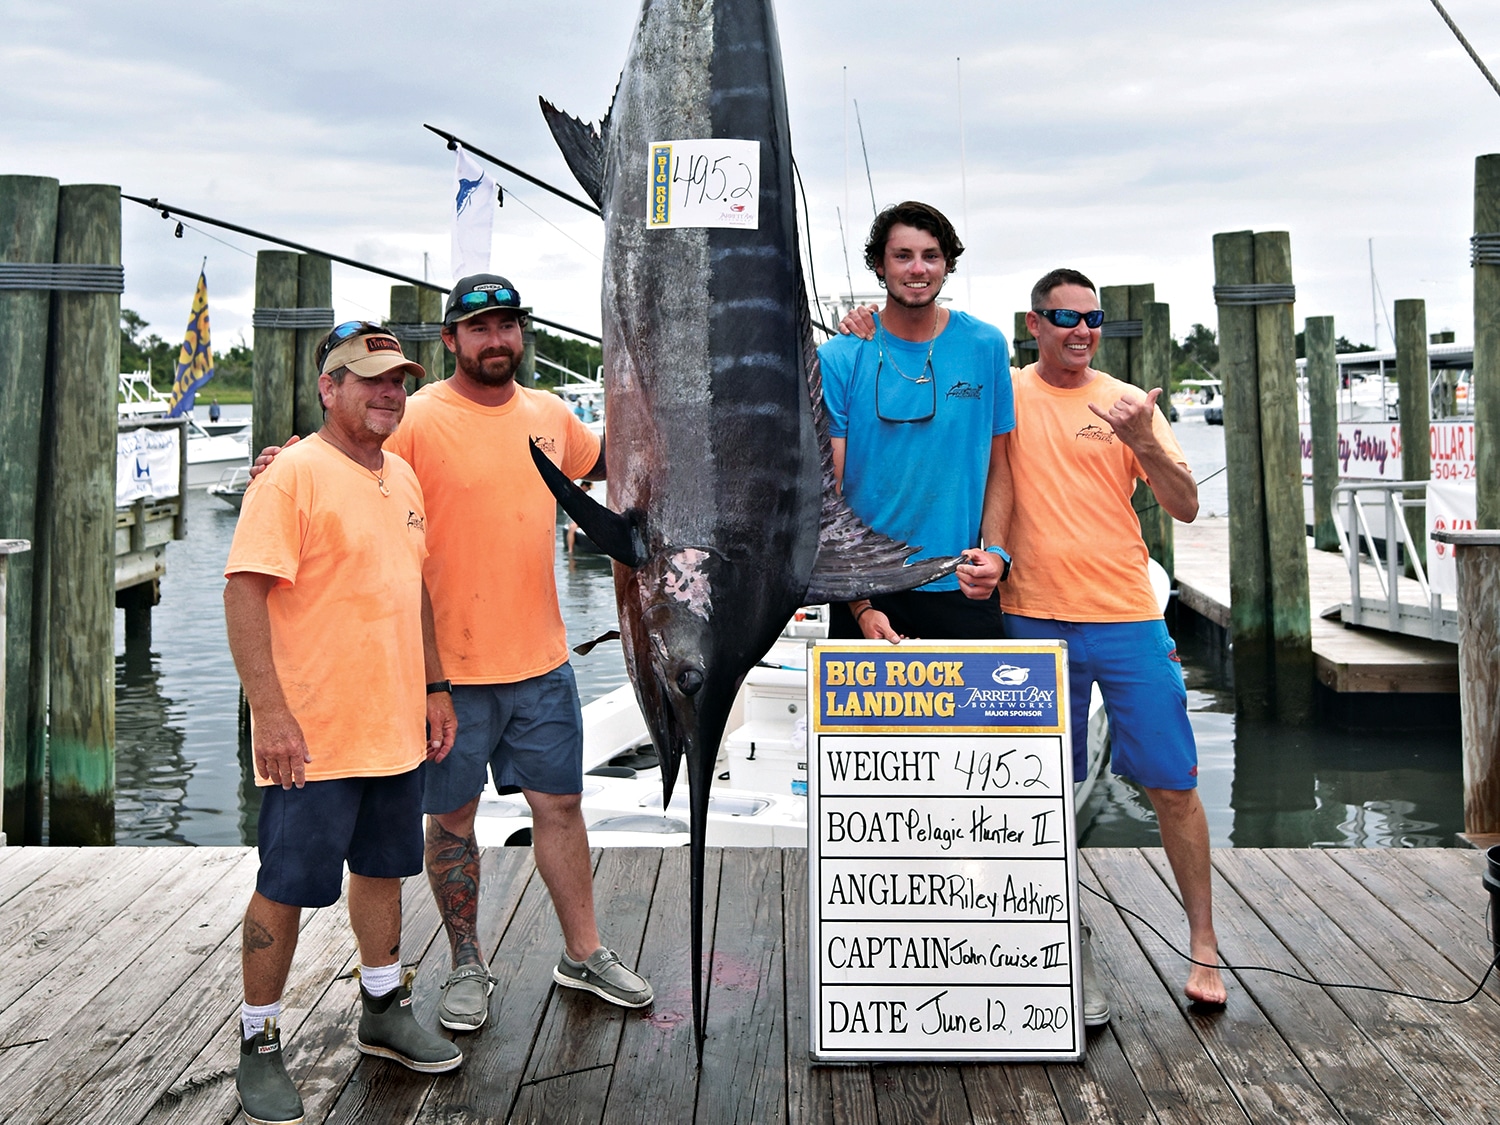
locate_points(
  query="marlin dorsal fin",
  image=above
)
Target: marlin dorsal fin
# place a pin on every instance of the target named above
(582, 147)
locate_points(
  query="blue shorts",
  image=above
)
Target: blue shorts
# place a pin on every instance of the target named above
(529, 735)
(307, 834)
(1136, 666)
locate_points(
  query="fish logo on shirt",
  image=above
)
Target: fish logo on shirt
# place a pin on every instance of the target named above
(962, 389)
(416, 521)
(1092, 432)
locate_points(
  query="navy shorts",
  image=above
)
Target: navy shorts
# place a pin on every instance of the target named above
(306, 835)
(1136, 666)
(528, 735)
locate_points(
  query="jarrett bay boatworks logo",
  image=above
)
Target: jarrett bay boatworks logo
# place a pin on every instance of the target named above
(1010, 674)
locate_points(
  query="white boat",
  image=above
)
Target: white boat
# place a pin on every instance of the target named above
(231, 485)
(208, 455)
(760, 795)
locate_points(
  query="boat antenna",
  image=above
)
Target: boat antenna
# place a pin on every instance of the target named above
(874, 210)
(845, 240)
(1374, 308)
(1374, 289)
(1473, 54)
(846, 171)
(963, 174)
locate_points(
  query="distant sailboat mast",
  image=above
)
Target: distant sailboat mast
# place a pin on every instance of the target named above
(963, 178)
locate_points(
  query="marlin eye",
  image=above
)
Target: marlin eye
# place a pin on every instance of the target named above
(689, 681)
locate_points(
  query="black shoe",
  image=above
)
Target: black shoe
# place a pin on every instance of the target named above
(387, 1028)
(267, 1093)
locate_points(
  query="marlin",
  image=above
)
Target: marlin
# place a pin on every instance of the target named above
(717, 456)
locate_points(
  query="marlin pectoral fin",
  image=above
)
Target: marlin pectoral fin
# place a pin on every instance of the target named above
(857, 562)
(614, 534)
(582, 148)
(588, 646)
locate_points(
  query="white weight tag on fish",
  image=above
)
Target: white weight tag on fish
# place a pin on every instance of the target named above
(703, 183)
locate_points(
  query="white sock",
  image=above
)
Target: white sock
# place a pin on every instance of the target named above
(378, 980)
(253, 1016)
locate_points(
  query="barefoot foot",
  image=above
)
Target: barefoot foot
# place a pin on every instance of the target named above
(1205, 987)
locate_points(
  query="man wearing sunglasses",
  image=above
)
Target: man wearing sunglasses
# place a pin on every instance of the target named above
(326, 613)
(491, 540)
(918, 399)
(1082, 440)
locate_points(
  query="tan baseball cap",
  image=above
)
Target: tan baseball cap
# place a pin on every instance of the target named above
(370, 355)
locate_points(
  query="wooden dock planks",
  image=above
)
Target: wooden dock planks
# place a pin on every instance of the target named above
(134, 1017)
(1345, 659)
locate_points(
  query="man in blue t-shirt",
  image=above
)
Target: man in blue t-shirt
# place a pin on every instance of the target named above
(919, 416)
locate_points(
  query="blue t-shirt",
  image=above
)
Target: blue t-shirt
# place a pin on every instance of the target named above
(920, 481)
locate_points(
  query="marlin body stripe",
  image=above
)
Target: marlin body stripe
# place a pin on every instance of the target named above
(717, 458)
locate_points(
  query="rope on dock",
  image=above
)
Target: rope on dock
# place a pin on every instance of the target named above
(1239, 295)
(292, 318)
(1484, 249)
(415, 331)
(62, 277)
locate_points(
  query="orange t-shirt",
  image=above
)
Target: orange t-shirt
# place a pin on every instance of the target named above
(494, 526)
(1075, 540)
(346, 617)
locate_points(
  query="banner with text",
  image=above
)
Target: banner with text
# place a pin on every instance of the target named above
(1372, 450)
(942, 861)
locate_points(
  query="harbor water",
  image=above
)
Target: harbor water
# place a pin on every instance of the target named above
(180, 779)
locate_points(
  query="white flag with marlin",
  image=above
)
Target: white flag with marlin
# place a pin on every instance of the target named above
(473, 217)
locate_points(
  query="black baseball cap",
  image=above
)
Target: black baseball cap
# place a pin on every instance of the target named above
(481, 292)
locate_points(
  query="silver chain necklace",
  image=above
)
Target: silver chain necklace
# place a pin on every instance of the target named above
(922, 377)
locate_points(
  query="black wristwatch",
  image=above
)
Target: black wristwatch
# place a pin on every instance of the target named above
(440, 685)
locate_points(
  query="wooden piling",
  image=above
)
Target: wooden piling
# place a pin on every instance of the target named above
(314, 291)
(1239, 373)
(1113, 357)
(28, 233)
(1484, 391)
(1477, 557)
(1281, 464)
(1022, 344)
(1416, 415)
(1323, 414)
(1155, 350)
(526, 375)
(9, 548)
(273, 412)
(414, 304)
(1140, 297)
(85, 363)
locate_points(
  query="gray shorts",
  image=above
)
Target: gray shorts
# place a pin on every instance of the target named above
(529, 735)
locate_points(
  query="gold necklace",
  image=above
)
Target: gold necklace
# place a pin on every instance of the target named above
(379, 476)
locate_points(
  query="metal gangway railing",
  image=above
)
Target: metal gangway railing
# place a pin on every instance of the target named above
(1354, 503)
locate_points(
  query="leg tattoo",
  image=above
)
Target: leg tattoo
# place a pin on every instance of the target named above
(453, 871)
(255, 937)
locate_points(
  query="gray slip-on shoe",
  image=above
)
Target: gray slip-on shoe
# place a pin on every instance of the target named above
(1095, 1000)
(603, 975)
(466, 998)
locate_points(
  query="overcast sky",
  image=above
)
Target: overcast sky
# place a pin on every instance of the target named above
(1114, 136)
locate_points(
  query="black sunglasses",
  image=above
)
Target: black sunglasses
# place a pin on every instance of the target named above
(1069, 318)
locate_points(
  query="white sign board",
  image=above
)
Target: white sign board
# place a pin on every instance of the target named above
(942, 859)
(1451, 506)
(147, 464)
(1372, 450)
(703, 183)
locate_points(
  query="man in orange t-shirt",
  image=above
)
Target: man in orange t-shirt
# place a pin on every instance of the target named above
(491, 528)
(1082, 440)
(324, 578)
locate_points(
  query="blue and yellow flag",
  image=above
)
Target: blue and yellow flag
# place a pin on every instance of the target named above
(195, 362)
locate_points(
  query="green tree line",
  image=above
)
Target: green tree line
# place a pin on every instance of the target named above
(141, 350)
